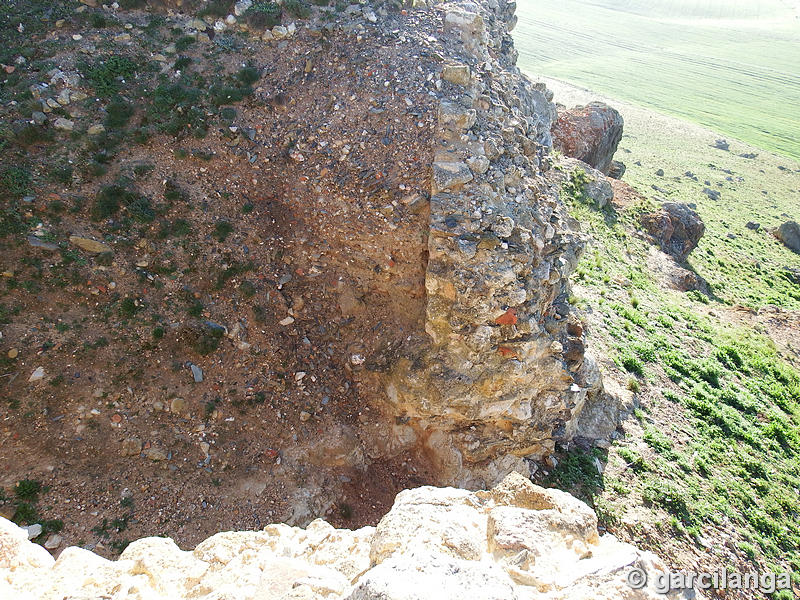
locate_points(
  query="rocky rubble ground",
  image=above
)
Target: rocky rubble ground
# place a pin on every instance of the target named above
(514, 541)
(285, 262)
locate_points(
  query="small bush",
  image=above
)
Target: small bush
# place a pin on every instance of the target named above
(228, 94)
(576, 472)
(634, 460)
(195, 308)
(62, 175)
(668, 496)
(111, 198)
(97, 20)
(25, 514)
(30, 134)
(177, 107)
(142, 169)
(176, 228)
(658, 441)
(248, 289)
(697, 296)
(208, 340)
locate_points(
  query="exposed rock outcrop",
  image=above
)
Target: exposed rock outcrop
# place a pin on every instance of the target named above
(501, 373)
(789, 234)
(676, 227)
(589, 133)
(515, 541)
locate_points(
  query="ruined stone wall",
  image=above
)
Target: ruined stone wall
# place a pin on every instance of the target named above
(503, 374)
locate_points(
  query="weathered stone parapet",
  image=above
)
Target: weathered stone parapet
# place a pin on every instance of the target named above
(515, 541)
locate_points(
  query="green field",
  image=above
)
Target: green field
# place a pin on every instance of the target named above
(731, 65)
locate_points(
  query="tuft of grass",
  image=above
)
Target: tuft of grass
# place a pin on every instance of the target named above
(111, 198)
(222, 230)
(248, 75)
(183, 42)
(118, 113)
(128, 308)
(263, 14)
(299, 9)
(107, 75)
(217, 8)
(28, 489)
(15, 182)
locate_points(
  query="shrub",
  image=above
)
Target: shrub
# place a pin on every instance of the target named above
(97, 20)
(62, 175)
(176, 228)
(182, 62)
(177, 107)
(25, 514)
(668, 496)
(208, 340)
(658, 441)
(31, 134)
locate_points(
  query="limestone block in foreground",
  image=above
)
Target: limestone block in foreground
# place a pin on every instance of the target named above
(516, 541)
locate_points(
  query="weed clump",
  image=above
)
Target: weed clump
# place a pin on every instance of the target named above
(28, 489)
(222, 230)
(297, 8)
(264, 14)
(111, 198)
(14, 183)
(183, 42)
(248, 75)
(107, 75)
(118, 113)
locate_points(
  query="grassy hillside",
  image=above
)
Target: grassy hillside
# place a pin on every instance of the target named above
(708, 472)
(732, 66)
(742, 266)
